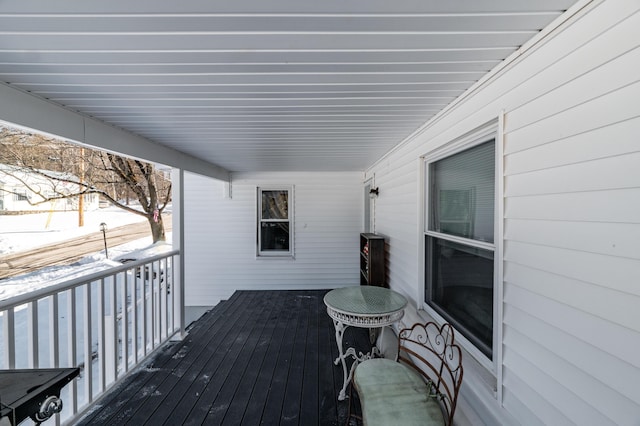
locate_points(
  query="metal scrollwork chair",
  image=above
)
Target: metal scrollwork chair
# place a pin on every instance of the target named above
(420, 388)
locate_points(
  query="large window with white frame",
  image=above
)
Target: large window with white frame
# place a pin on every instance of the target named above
(459, 239)
(275, 222)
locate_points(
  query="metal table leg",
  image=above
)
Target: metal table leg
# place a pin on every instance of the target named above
(350, 352)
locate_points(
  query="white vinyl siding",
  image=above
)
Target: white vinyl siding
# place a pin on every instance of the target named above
(220, 252)
(572, 180)
(570, 218)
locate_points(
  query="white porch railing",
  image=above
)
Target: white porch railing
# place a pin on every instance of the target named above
(105, 323)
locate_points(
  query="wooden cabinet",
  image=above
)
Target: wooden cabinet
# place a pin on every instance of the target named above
(372, 267)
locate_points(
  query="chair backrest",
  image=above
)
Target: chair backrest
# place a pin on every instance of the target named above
(430, 349)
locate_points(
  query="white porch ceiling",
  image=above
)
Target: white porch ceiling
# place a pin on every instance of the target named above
(263, 85)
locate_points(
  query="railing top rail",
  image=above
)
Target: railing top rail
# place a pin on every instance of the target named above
(21, 299)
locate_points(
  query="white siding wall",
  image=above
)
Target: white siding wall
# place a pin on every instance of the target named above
(571, 321)
(220, 235)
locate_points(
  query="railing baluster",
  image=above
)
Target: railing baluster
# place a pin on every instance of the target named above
(170, 296)
(163, 300)
(71, 345)
(152, 309)
(168, 282)
(101, 339)
(158, 315)
(113, 312)
(176, 297)
(88, 345)
(180, 265)
(154, 305)
(162, 331)
(125, 323)
(158, 280)
(54, 334)
(32, 331)
(9, 343)
(134, 317)
(143, 287)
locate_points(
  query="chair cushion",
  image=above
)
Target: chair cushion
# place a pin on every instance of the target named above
(393, 394)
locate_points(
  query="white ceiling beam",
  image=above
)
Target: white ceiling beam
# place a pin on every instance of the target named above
(237, 23)
(152, 7)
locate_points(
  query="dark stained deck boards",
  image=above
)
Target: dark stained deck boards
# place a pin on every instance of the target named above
(309, 393)
(224, 383)
(243, 392)
(261, 357)
(257, 401)
(121, 405)
(208, 371)
(184, 368)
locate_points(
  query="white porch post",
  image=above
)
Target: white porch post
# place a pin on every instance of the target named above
(177, 186)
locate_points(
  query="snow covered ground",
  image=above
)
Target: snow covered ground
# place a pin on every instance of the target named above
(24, 232)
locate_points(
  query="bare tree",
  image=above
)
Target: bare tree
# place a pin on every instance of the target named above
(152, 191)
(72, 172)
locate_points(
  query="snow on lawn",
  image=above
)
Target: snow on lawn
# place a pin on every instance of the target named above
(28, 231)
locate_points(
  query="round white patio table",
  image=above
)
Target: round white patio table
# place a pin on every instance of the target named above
(364, 307)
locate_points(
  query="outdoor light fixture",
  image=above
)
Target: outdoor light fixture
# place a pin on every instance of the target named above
(103, 228)
(373, 192)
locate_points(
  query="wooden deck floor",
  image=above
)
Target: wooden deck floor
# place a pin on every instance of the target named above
(261, 357)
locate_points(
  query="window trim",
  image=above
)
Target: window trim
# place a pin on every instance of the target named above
(369, 207)
(482, 134)
(290, 210)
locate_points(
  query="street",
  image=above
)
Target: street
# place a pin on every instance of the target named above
(69, 251)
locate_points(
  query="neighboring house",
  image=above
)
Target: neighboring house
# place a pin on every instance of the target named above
(22, 191)
(551, 225)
